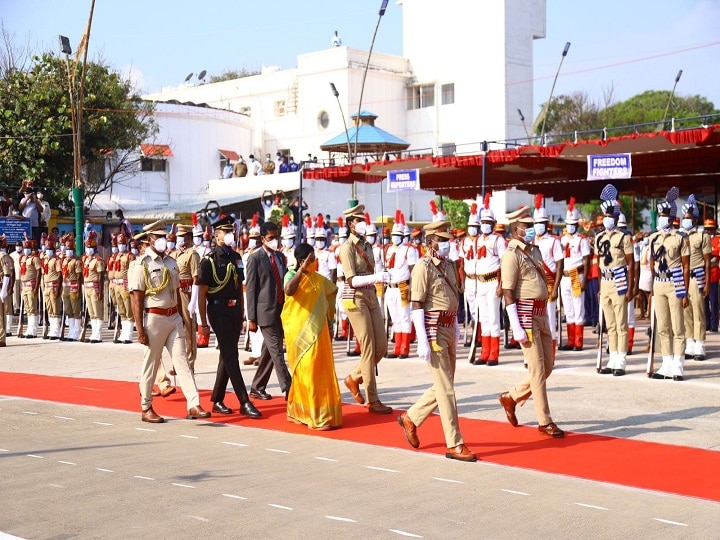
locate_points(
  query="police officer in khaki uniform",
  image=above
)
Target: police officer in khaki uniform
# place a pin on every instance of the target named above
(52, 287)
(361, 305)
(30, 276)
(93, 269)
(72, 272)
(122, 295)
(7, 279)
(617, 274)
(699, 286)
(525, 295)
(434, 298)
(670, 257)
(188, 261)
(153, 283)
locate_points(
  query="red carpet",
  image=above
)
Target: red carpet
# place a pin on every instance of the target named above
(577, 455)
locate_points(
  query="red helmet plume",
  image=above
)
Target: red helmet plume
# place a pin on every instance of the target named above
(538, 201)
(473, 209)
(486, 201)
(320, 222)
(194, 218)
(341, 223)
(433, 207)
(571, 204)
(254, 221)
(285, 220)
(367, 218)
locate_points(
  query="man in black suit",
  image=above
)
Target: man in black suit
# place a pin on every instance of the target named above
(265, 272)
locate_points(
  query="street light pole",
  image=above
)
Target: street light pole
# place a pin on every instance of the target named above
(347, 135)
(672, 94)
(547, 105)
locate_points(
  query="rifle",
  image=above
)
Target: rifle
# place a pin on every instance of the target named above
(598, 361)
(61, 337)
(21, 326)
(476, 327)
(46, 320)
(116, 337)
(651, 336)
(558, 318)
(465, 322)
(85, 320)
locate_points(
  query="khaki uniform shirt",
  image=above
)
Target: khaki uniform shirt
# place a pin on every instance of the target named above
(523, 273)
(699, 247)
(52, 270)
(188, 262)
(30, 268)
(675, 244)
(93, 268)
(7, 267)
(434, 284)
(71, 268)
(122, 264)
(149, 272)
(353, 263)
(111, 266)
(618, 244)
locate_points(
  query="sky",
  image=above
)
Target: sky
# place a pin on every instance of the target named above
(629, 46)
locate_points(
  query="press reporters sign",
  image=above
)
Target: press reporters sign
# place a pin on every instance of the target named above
(609, 167)
(405, 180)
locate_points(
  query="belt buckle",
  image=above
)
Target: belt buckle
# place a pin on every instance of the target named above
(232, 303)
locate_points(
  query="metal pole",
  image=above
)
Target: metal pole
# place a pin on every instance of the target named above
(667, 107)
(484, 167)
(547, 105)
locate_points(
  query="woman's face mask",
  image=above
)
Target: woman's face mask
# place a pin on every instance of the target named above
(206, 243)
(134, 251)
(486, 228)
(69, 253)
(371, 239)
(122, 248)
(50, 253)
(252, 243)
(397, 240)
(609, 223)
(473, 231)
(320, 244)
(360, 228)
(571, 229)
(540, 229)
(197, 240)
(114, 249)
(287, 242)
(311, 242)
(91, 251)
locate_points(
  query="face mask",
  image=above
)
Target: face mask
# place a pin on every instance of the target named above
(360, 228)
(206, 243)
(311, 242)
(416, 241)
(229, 239)
(272, 244)
(197, 241)
(27, 251)
(42, 248)
(341, 240)
(180, 241)
(252, 244)
(88, 226)
(287, 242)
(472, 231)
(663, 222)
(646, 241)
(529, 235)
(320, 244)
(609, 223)
(686, 224)
(397, 240)
(371, 239)
(114, 249)
(539, 228)
(62, 249)
(122, 248)
(571, 229)
(485, 228)
(171, 245)
(69, 253)
(91, 251)
(134, 251)
(160, 245)
(50, 253)
(443, 249)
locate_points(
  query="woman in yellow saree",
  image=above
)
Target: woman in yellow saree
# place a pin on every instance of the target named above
(314, 396)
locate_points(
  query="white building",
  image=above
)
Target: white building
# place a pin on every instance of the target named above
(466, 69)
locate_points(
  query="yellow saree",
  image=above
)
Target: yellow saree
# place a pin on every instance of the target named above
(314, 397)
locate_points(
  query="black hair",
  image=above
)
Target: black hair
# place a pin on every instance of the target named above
(267, 227)
(302, 252)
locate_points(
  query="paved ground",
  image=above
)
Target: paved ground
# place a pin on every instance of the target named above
(70, 471)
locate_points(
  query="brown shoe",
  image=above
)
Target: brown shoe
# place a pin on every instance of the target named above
(461, 453)
(354, 388)
(410, 430)
(508, 404)
(551, 430)
(155, 392)
(149, 415)
(168, 390)
(249, 361)
(378, 408)
(197, 412)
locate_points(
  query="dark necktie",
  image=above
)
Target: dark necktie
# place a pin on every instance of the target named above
(279, 295)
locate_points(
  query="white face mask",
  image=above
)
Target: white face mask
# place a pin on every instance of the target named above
(397, 240)
(486, 228)
(473, 231)
(540, 228)
(686, 224)
(160, 245)
(171, 245)
(27, 251)
(206, 243)
(663, 222)
(320, 244)
(272, 244)
(50, 253)
(69, 253)
(311, 242)
(287, 242)
(609, 223)
(122, 248)
(571, 229)
(134, 251)
(341, 240)
(91, 251)
(114, 249)
(443, 249)
(229, 239)
(197, 240)
(360, 228)
(180, 241)
(371, 239)
(252, 243)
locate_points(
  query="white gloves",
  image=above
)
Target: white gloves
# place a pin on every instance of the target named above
(5, 286)
(517, 330)
(193, 305)
(372, 279)
(457, 331)
(423, 346)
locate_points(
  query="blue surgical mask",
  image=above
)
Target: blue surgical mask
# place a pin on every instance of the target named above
(134, 251)
(91, 251)
(609, 223)
(529, 235)
(663, 222)
(686, 224)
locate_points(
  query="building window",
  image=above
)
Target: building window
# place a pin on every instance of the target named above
(153, 165)
(419, 97)
(323, 120)
(280, 108)
(447, 94)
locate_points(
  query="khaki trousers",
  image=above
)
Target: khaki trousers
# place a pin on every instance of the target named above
(670, 320)
(30, 300)
(190, 329)
(6, 310)
(166, 333)
(72, 303)
(367, 322)
(538, 356)
(122, 302)
(53, 302)
(615, 313)
(694, 314)
(441, 395)
(93, 303)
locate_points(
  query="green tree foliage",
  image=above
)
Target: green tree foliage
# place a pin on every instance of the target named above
(230, 74)
(632, 210)
(36, 126)
(457, 211)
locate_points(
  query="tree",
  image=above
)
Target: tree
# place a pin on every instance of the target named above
(230, 74)
(457, 211)
(36, 119)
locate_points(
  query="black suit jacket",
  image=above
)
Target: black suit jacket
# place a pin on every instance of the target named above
(262, 303)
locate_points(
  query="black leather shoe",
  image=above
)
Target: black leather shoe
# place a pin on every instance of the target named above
(658, 376)
(479, 362)
(677, 378)
(220, 408)
(248, 409)
(260, 394)
(565, 348)
(605, 371)
(699, 357)
(492, 362)
(618, 372)
(353, 353)
(577, 348)
(688, 356)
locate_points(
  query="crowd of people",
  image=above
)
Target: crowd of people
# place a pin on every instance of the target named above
(297, 288)
(253, 167)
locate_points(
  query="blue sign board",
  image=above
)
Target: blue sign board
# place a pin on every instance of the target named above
(609, 167)
(404, 180)
(13, 229)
